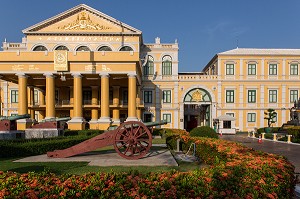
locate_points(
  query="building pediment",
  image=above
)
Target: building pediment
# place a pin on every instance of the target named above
(81, 19)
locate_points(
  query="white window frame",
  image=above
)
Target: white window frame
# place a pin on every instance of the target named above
(295, 96)
(167, 117)
(271, 96)
(167, 96)
(229, 69)
(251, 117)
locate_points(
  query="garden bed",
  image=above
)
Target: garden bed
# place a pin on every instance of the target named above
(235, 172)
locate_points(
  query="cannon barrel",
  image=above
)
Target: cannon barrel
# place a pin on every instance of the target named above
(15, 117)
(56, 119)
(150, 124)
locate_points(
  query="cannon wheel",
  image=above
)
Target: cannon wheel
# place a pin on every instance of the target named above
(132, 140)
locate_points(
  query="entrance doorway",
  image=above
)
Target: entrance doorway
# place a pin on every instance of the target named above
(196, 115)
(197, 109)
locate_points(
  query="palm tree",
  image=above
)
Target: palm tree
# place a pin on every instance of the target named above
(270, 115)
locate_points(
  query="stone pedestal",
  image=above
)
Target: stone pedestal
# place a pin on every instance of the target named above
(11, 135)
(42, 133)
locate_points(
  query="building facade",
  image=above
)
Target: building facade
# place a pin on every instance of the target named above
(97, 70)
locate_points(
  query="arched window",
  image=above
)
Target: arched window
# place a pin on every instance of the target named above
(104, 48)
(61, 48)
(149, 67)
(126, 48)
(40, 48)
(167, 65)
(83, 48)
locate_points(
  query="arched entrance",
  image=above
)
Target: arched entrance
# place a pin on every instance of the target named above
(197, 108)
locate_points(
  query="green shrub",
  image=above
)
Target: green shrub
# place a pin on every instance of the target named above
(261, 130)
(70, 132)
(90, 132)
(21, 148)
(158, 132)
(204, 131)
(295, 132)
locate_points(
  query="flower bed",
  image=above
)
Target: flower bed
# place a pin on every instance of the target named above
(235, 172)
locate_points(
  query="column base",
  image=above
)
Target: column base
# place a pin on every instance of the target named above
(131, 119)
(23, 124)
(94, 124)
(104, 123)
(116, 122)
(76, 123)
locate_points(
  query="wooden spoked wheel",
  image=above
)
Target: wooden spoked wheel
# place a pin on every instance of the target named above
(132, 140)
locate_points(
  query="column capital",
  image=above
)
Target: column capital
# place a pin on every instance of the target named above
(22, 75)
(104, 75)
(116, 86)
(77, 75)
(49, 75)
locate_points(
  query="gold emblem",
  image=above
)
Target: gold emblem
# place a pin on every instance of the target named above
(83, 22)
(197, 96)
(60, 60)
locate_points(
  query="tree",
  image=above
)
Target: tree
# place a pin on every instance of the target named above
(270, 115)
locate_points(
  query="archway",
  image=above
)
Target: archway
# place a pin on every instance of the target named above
(197, 108)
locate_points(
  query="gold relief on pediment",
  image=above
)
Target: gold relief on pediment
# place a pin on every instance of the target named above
(84, 22)
(197, 96)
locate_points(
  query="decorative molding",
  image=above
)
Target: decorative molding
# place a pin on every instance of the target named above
(83, 22)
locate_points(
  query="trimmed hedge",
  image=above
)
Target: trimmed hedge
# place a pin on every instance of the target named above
(82, 132)
(204, 131)
(21, 148)
(245, 172)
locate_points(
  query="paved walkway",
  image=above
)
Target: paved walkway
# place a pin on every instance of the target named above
(290, 151)
(158, 156)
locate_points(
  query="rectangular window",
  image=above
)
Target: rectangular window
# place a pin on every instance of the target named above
(226, 124)
(167, 117)
(56, 96)
(251, 69)
(36, 97)
(14, 96)
(229, 96)
(272, 96)
(147, 96)
(147, 117)
(230, 114)
(251, 117)
(167, 96)
(229, 69)
(251, 96)
(273, 69)
(294, 69)
(293, 95)
(125, 97)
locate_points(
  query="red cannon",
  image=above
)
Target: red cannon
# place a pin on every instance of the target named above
(9, 123)
(131, 140)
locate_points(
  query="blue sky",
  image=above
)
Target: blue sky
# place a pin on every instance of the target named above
(203, 28)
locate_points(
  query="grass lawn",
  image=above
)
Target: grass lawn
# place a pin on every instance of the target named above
(82, 167)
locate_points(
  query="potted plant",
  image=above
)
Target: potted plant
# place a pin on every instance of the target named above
(270, 114)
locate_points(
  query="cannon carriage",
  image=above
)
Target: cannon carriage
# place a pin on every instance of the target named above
(53, 123)
(9, 123)
(131, 140)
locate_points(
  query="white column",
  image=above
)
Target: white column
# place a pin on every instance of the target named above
(241, 69)
(262, 72)
(219, 102)
(175, 106)
(283, 104)
(181, 113)
(283, 68)
(241, 96)
(157, 103)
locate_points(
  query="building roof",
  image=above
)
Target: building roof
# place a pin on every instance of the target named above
(261, 51)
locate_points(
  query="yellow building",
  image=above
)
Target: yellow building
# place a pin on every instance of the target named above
(87, 65)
